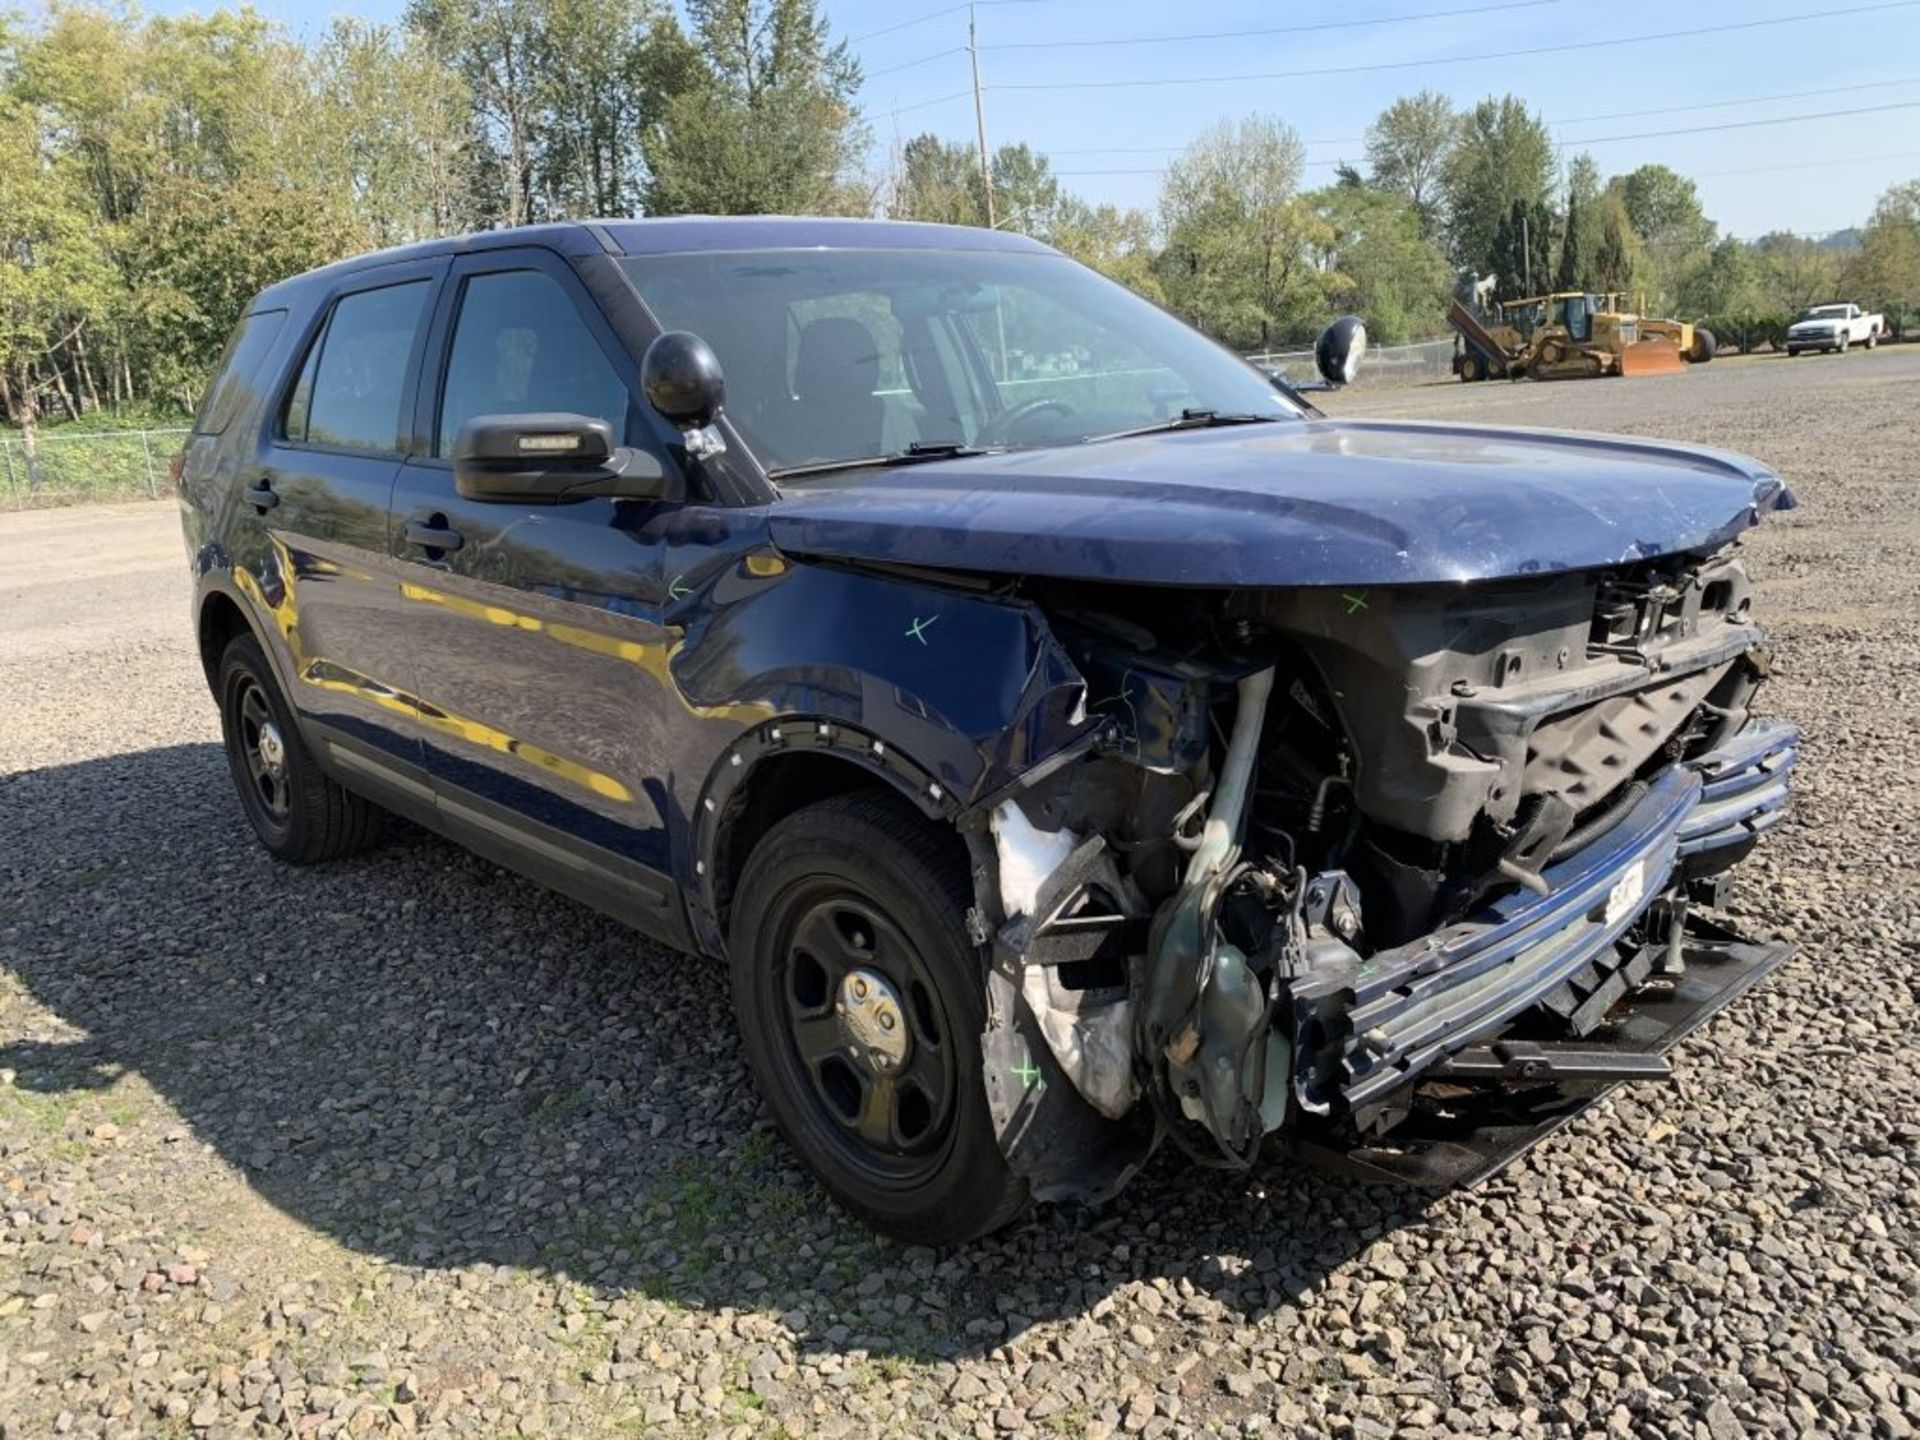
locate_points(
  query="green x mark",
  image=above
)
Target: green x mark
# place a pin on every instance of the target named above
(1355, 603)
(1029, 1073)
(918, 629)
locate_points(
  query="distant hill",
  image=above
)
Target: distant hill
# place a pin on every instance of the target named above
(1848, 239)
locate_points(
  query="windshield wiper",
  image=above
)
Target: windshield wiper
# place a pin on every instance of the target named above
(917, 453)
(1194, 419)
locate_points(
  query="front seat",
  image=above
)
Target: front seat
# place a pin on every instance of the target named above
(834, 374)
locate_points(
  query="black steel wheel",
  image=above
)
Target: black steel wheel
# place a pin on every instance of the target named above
(861, 1004)
(264, 751)
(299, 814)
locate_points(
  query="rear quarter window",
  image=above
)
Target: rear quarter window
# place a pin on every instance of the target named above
(238, 379)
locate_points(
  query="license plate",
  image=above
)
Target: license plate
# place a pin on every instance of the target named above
(1627, 892)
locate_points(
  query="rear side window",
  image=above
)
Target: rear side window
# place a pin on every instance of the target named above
(352, 382)
(237, 379)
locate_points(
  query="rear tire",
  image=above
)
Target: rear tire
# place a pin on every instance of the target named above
(1873, 339)
(849, 927)
(300, 815)
(1704, 346)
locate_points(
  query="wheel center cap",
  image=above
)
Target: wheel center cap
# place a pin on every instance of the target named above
(273, 750)
(875, 1025)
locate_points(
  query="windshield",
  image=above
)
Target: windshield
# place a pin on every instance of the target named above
(840, 355)
(1827, 312)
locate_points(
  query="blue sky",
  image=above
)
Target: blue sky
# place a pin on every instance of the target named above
(1109, 142)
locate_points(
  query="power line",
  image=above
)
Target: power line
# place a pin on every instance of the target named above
(913, 64)
(926, 104)
(1810, 164)
(932, 15)
(1695, 175)
(1281, 30)
(1741, 124)
(1573, 120)
(1563, 48)
(1750, 100)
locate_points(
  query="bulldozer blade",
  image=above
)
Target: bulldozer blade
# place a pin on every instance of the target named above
(1652, 357)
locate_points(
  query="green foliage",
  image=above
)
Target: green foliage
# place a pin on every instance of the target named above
(1675, 236)
(1238, 236)
(1408, 149)
(1377, 263)
(1522, 251)
(1504, 154)
(1618, 257)
(939, 180)
(766, 124)
(1885, 275)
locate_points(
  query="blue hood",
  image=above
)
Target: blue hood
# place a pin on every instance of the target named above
(1320, 502)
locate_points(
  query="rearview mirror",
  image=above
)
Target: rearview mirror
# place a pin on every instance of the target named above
(550, 459)
(1340, 349)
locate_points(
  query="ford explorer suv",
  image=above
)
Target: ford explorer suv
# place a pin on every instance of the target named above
(1072, 741)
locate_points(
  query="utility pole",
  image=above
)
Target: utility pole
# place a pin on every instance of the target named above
(980, 121)
(1526, 253)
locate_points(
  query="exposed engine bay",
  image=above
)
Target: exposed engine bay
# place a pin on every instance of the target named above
(1347, 866)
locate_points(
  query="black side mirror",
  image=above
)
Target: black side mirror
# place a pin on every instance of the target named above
(1340, 349)
(548, 459)
(682, 379)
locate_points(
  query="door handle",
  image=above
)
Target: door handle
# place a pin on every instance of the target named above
(261, 495)
(433, 533)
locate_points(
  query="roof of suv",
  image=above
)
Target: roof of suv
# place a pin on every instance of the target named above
(680, 234)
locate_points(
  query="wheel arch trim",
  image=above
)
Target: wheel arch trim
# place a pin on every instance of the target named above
(830, 739)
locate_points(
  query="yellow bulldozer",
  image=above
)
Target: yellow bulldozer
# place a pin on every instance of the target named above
(1571, 335)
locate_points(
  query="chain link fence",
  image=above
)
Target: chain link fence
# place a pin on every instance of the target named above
(74, 468)
(1384, 365)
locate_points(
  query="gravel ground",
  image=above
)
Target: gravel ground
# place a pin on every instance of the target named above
(405, 1145)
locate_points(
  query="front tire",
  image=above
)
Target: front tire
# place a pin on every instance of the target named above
(300, 815)
(861, 1003)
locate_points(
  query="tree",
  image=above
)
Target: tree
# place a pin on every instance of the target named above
(1573, 263)
(1377, 263)
(1618, 256)
(1408, 147)
(1678, 238)
(938, 181)
(1886, 272)
(53, 274)
(392, 122)
(1118, 243)
(1236, 259)
(1580, 235)
(1793, 272)
(767, 123)
(1522, 250)
(1505, 153)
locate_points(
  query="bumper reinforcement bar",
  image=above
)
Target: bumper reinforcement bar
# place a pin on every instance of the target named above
(1479, 1111)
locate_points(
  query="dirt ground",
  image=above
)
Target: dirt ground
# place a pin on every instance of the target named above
(405, 1145)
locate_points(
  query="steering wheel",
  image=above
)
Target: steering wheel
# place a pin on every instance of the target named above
(1002, 427)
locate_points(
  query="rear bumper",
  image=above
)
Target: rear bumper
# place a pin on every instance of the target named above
(1363, 1036)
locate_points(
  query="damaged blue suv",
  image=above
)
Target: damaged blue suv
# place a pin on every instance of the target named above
(1072, 740)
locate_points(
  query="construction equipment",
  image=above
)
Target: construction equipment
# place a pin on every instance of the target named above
(1571, 335)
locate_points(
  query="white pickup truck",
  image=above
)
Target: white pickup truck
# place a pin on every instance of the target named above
(1834, 327)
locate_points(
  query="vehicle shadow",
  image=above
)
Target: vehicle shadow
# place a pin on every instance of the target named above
(434, 1062)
